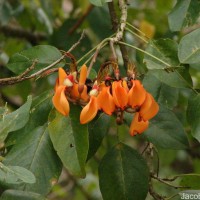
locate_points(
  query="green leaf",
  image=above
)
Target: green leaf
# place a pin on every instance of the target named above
(97, 129)
(44, 54)
(193, 115)
(163, 49)
(15, 120)
(99, 2)
(22, 195)
(166, 131)
(70, 140)
(178, 78)
(41, 107)
(185, 13)
(189, 48)
(15, 174)
(190, 180)
(123, 174)
(178, 14)
(35, 152)
(163, 94)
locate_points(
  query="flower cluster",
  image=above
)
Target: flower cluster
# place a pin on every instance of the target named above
(110, 96)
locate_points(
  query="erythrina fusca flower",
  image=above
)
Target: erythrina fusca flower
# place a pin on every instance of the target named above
(107, 94)
(66, 87)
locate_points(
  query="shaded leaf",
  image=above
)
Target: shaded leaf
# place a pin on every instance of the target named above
(15, 120)
(99, 2)
(178, 78)
(22, 195)
(189, 48)
(166, 131)
(190, 180)
(163, 94)
(184, 13)
(123, 174)
(15, 174)
(163, 49)
(193, 115)
(70, 140)
(44, 54)
(97, 129)
(35, 152)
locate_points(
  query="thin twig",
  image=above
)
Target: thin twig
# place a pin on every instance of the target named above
(22, 77)
(166, 183)
(154, 194)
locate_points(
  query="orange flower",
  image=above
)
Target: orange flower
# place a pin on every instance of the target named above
(59, 99)
(89, 111)
(105, 100)
(82, 79)
(120, 94)
(149, 108)
(138, 125)
(74, 93)
(137, 94)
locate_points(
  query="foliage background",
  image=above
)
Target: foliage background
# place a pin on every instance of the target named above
(24, 24)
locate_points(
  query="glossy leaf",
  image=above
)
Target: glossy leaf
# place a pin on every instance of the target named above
(123, 174)
(193, 115)
(166, 131)
(15, 175)
(163, 94)
(189, 48)
(70, 140)
(22, 195)
(43, 54)
(184, 13)
(163, 49)
(15, 120)
(35, 152)
(97, 129)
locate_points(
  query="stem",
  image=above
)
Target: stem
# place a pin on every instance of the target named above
(145, 52)
(136, 35)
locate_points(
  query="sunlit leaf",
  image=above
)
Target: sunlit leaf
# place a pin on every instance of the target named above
(192, 181)
(166, 131)
(123, 174)
(70, 140)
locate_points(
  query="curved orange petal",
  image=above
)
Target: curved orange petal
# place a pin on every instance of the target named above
(74, 92)
(106, 101)
(56, 84)
(138, 126)
(61, 76)
(152, 111)
(137, 94)
(146, 105)
(84, 94)
(64, 103)
(56, 99)
(83, 75)
(89, 111)
(120, 94)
